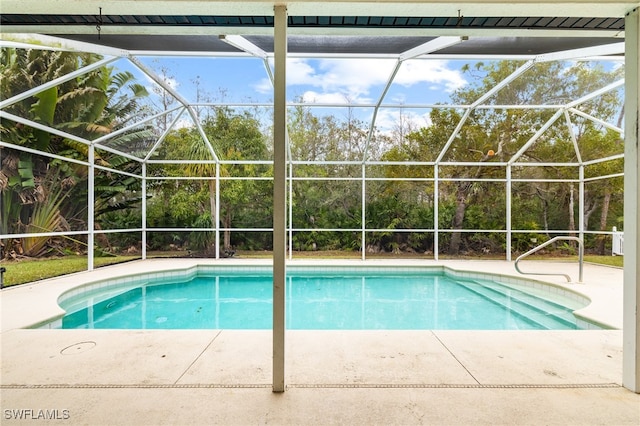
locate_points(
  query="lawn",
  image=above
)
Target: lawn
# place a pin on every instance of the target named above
(617, 261)
(28, 270)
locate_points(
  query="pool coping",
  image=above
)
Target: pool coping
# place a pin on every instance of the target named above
(36, 305)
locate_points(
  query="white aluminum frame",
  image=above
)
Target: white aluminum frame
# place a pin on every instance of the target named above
(412, 54)
(283, 161)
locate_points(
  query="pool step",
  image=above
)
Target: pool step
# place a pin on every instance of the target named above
(548, 315)
(564, 313)
(547, 307)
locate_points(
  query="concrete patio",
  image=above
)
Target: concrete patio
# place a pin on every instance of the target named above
(334, 377)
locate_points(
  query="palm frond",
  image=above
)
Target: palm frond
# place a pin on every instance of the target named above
(46, 217)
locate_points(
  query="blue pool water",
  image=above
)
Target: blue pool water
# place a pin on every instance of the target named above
(335, 301)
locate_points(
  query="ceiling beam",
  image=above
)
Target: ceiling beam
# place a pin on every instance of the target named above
(241, 43)
(35, 41)
(310, 31)
(573, 54)
(595, 8)
(430, 46)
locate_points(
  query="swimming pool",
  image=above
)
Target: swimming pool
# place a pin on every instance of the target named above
(336, 299)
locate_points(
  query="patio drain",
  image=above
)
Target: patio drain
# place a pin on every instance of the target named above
(78, 348)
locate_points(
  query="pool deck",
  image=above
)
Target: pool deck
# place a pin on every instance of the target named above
(152, 377)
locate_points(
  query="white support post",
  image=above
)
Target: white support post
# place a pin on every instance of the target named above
(363, 216)
(144, 211)
(436, 190)
(581, 203)
(216, 214)
(91, 207)
(290, 242)
(508, 214)
(279, 194)
(630, 325)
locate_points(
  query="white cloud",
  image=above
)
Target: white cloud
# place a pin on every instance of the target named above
(311, 96)
(183, 123)
(400, 98)
(169, 81)
(356, 79)
(388, 120)
(435, 72)
(299, 72)
(156, 91)
(263, 86)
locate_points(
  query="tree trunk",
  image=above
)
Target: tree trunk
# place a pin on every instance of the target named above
(603, 220)
(227, 232)
(545, 216)
(212, 205)
(458, 219)
(589, 208)
(572, 217)
(542, 195)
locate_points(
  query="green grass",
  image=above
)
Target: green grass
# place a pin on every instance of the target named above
(617, 261)
(28, 270)
(25, 271)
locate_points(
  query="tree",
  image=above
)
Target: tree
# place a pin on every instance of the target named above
(597, 142)
(489, 135)
(233, 136)
(89, 106)
(237, 136)
(326, 202)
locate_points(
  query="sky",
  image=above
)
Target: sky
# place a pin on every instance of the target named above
(315, 80)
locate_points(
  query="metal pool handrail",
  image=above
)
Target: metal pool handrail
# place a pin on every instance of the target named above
(554, 239)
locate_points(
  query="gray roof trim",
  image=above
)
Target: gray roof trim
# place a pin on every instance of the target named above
(534, 22)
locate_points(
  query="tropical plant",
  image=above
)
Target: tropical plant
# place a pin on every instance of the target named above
(232, 135)
(88, 106)
(45, 217)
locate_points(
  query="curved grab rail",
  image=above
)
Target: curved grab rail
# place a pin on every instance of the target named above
(554, 239)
